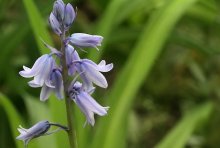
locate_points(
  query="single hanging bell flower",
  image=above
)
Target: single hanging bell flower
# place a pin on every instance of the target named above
(37, 130)
(40, 71)
(85, 40)
(86, 103)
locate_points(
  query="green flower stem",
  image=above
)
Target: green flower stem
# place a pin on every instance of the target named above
(69, 106)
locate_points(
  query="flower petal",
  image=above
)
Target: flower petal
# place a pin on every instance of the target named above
(69, 15)
(103, 67)
(33, 84)
(58, 83)
(93, 75)
(27, 72)
(91, 104)
(58, 10)
(45, 93)
(54, 24)
(44, 71)
(85, 40)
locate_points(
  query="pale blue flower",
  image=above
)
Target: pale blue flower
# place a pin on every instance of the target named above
(71, 56)
(58, 10)
(86, 103)
(40, 71)
(90, 72)
(85, 40)
(69, 16)
(56, 86)
(55, 25)
(35, 131)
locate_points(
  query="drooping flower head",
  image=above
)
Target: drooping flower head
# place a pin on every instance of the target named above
(40, 71)
(85, 40)
(86, 103)
(35, 131)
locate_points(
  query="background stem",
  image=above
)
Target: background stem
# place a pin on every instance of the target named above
(68, 102)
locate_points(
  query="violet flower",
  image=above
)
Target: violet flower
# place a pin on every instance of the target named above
(86, 103)
(55, 25)
(85, 40)
(40, 71)
(90, 72)
(56, 82)
(69, 16)
(58, 10)
(62, 15)
(35, 131)
(71, 56)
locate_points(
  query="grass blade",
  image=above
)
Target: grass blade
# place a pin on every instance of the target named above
(179, 135)
(14, 118)
(38, 25)
(130, 79)
(106, 25)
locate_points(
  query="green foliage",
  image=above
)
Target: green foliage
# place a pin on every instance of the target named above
(38, 25)
(191, 121)
(132, 76)
(14, 118)
(166, 61)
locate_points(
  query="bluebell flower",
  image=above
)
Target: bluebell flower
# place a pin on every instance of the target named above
(71, 56)
(35, 131)
(85, 40)
(55, 25)
(40, 71)
(58, 10)
(69, 16)
(86, 103)
(56, 85)
(64, 14)
(90, 72)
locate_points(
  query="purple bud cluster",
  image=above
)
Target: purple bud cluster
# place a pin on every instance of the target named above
(47, 71)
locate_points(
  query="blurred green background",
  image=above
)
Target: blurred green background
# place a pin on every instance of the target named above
(164, 90)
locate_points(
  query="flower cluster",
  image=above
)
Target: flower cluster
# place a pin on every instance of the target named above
(47, 71)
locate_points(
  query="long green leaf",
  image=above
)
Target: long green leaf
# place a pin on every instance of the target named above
(14, 118)
(137, 68)
(38, 25)
(6, 48)
(106, 24)
(181, 133)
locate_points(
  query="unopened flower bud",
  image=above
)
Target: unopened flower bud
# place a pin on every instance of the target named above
(69, 16)
(35, 131)
(58, 10)
(55, 25)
